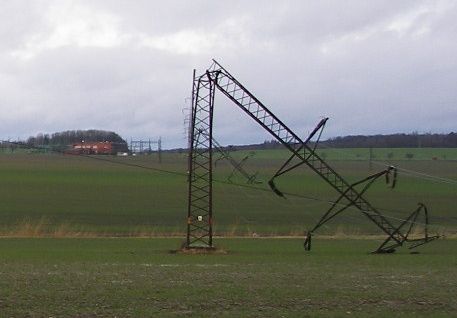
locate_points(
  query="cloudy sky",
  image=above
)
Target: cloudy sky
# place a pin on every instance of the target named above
(126, 65)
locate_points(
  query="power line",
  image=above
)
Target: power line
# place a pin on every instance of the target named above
(412, 173)
(133, 165)
(422, 175)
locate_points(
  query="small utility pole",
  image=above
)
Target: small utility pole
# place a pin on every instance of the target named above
(159, 149)
(371, 158)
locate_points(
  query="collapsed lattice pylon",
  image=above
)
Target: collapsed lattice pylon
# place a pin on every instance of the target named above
(200, 218)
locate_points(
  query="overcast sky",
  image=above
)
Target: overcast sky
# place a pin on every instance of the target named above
(371, 66)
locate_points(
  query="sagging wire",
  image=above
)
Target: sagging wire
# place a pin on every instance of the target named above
(412, 173)
(422, 175)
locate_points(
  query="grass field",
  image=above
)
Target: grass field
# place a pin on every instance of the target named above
(131, 277)
(66, 195)
(59, 258)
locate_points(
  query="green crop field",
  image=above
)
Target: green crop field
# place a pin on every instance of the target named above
(84, 237)
(132, 277)
(62, 194)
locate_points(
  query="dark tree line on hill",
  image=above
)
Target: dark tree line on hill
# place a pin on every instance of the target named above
(376, 141)
(72, 136)
(395, 141)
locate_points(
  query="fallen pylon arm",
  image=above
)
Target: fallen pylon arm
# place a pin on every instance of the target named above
(319, 128)
(237, 165)
(332, 211)
(427, 238)
(286, 167)
(389, 245)
(250, 178)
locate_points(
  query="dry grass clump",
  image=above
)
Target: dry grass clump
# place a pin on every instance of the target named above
(44, 228)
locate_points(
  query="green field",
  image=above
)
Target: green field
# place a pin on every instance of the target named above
(69, 196)
(132, 277)
(377, 154)
(80, 238)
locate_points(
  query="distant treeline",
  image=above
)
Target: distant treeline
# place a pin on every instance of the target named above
(72, 136)
(413, 140)
(395, 141)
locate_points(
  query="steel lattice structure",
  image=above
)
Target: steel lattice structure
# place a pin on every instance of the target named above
(199, 217)
(199, 232)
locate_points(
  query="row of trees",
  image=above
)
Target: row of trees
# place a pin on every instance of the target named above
(413, 140)
(72, 136)
(395, 141)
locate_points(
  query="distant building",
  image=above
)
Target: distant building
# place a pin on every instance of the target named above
(98, 148)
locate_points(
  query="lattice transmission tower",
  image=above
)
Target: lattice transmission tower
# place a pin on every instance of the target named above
(200, 201)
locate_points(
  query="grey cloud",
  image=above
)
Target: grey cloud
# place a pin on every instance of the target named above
(303, 59)
(18, 19)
